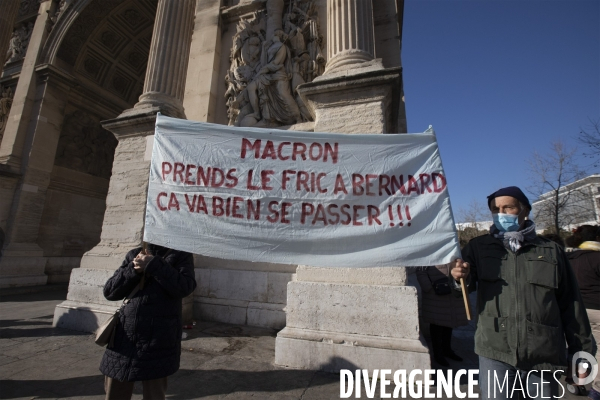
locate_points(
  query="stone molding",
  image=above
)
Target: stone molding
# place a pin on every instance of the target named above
(75, 188)
(133, 123)
(60, 29)
(354, 339)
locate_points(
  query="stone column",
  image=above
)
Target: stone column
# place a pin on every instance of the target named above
(350, 37)
(169, 56)
(352, 318)
(123, 227)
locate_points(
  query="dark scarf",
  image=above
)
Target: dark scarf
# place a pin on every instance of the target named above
(514, 240)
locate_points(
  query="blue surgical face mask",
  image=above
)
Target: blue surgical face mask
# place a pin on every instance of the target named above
(506, 222)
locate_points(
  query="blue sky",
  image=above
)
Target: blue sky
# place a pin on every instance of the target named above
(499, 79)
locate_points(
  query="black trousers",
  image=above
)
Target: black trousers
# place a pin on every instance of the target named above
(116, 390)
(441, 337)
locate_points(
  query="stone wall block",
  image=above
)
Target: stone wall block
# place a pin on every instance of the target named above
(238, 285)
(226, 314)
(389, 276)
(266, 318)
(202, 282)
(366, 118)
(86, 285)
(277, 287)
(377, 310)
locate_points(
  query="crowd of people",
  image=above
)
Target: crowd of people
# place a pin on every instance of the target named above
(538, 304)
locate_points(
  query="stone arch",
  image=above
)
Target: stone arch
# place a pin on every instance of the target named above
(105, 44)
(60, 29)
(101, 48)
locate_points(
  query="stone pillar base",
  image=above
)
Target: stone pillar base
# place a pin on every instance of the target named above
(86, 317)
(85, 308)
(365, 99)
(73, 315)
(352, 318)
(22, 265)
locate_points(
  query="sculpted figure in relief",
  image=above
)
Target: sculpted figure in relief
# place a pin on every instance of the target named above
(265, 71)
(85, 146)
(18, 43)
(62, 6)
(5, 104)
(270, 92)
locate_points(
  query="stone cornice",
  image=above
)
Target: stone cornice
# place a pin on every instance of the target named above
(96, 96)
(133, 123)
(47, 72)
(7, 171)
(234, 13)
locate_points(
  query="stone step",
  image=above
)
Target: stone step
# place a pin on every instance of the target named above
(34, 289)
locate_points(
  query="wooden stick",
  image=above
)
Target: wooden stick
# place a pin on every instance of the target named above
(465, 297)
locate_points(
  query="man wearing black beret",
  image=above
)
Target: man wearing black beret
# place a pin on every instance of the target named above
(531, 316)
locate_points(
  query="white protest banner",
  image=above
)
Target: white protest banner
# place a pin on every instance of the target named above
(320, 199)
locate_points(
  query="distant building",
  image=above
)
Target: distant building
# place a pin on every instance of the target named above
(480, 226)
(581, 205)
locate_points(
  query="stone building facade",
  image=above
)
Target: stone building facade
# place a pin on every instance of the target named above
(81, 83)
(578, 203)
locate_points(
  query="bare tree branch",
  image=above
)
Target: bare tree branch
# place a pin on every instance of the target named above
(549, 174)
(590, 138)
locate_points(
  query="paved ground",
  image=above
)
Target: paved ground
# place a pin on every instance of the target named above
(218, 361)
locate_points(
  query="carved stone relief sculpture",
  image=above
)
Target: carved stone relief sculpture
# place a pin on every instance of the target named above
(19, 42)
(85, 146)
(62, 6)
(29, 7)
(5, 104)
(273, 52)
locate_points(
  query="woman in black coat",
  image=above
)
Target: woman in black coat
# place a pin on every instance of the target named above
(147, 344)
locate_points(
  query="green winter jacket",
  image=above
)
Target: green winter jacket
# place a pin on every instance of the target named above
(528, 304)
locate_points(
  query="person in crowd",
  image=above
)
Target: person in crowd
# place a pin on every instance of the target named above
(585, 260)
(147, 343)
(441, 310)
(531, 315)
(555, 238)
